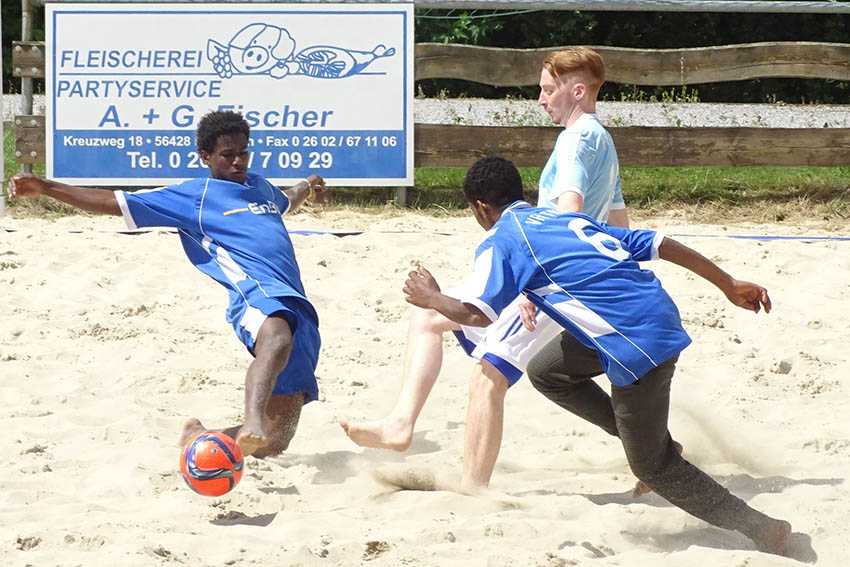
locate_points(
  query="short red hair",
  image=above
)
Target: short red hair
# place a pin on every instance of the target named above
(577, 60)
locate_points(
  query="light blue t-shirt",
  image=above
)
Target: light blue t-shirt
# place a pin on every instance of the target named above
(232, 232)
(585, 161)
(586, 276)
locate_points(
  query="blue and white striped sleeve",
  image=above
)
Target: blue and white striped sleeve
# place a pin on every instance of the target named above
(642, 244)
(493, 285)
(172, 206)
(278, 197)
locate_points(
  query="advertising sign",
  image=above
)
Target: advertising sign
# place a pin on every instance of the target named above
(327, 89)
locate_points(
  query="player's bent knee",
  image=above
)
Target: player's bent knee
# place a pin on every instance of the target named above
(537, 375)
(429, 321)
(275, 338)
(492, 385)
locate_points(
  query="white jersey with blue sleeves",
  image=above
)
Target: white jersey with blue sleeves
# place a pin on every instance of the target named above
(232, 232)
(584, 161)
(586, 277)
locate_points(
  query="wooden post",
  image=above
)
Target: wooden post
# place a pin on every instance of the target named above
(26, 82)
(29, 139)
(401, 197)
(3, 141)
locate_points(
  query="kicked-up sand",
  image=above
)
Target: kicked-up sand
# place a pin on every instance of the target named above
(109, 341)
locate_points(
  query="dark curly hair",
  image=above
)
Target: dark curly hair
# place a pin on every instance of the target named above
(493, 180)
(219, 123)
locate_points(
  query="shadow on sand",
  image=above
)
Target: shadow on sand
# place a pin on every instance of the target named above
(335, 467)
(742, 485)
(799, 546)
(234, 518)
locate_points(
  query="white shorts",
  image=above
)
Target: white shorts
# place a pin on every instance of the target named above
(506, 343)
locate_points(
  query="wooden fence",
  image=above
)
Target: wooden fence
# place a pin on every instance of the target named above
(518, 67)
(454, 145)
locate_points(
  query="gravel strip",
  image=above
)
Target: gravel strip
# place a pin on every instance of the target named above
(487, 112)
(483, 112)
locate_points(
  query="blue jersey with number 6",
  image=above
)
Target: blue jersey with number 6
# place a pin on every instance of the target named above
(586, 276)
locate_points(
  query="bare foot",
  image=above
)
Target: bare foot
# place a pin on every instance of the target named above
(641, 487)
(192, 427)
(773, 537)
(383, 434)
(250, 440)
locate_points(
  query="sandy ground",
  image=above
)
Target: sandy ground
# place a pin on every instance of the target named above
(109, 341)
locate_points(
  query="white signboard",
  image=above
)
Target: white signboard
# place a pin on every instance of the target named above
(326, 89)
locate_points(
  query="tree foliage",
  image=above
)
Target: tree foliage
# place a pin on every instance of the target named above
(11, 15)
(658, 30)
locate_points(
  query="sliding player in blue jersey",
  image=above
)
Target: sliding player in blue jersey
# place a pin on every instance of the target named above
(617, 320)
(231, 229)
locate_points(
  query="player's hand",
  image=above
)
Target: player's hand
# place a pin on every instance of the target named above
(317, 187)
(749, 296)
(528, 313)
(420, 288)
(26, 186)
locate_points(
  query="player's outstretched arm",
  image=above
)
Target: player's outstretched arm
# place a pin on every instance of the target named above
(744, 294)
(422, 290)
(99, 201)
(299, 192)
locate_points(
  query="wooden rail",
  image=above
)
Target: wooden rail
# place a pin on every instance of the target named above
(459, 146)
(519, 67)
(448, 145)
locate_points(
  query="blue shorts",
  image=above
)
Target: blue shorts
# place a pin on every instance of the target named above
(299, 375)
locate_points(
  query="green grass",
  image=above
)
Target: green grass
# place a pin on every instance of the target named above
(651, 186)
(711, 193)
(758, 193)
(738, 186)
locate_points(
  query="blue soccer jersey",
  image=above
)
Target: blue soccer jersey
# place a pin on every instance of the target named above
(585, 276)
(584, 161)
(232, 232)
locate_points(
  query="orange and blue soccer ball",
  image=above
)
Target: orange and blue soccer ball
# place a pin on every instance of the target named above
(211, 463)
